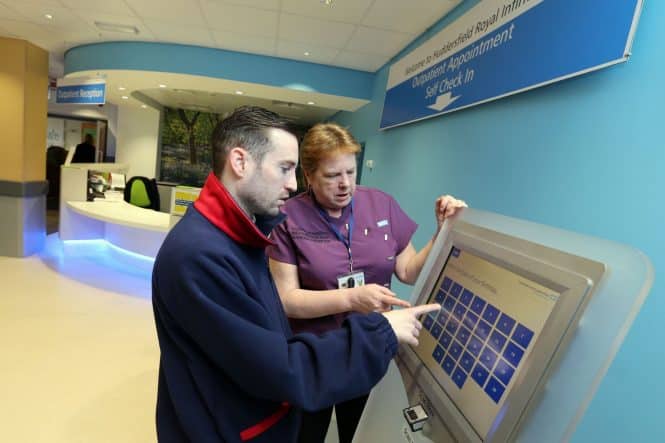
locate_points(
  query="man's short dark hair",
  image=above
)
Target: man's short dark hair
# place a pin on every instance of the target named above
(246, 128)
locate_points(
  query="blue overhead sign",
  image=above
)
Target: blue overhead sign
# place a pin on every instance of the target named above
(81, 91)
(502, 47)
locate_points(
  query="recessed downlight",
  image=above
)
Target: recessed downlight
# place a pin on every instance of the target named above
(306, 53)
(121, 88)
(124, 97)
(311, 103)
(48, 16)
(239, 92)
(162, 85)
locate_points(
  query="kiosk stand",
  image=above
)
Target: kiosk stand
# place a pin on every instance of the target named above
(531, 319)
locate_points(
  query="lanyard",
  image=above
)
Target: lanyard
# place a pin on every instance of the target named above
(338, 234)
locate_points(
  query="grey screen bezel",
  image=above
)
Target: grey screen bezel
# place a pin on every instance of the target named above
(572, 276)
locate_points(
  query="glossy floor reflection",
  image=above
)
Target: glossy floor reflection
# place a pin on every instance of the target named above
(79, 351)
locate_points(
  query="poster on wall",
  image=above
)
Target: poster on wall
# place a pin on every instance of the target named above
(55, 132)
(185, 153)
(503, 47)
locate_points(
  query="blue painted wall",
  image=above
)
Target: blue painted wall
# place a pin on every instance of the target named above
(587, 155)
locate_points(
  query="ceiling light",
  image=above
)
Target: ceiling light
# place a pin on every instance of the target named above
(144, 106)
(121, 88)
(306, 53)
(327, 2)
(116, 27)
(239, 92)
(48, 16)
(124, 97)
(311, 103)
(162, 85)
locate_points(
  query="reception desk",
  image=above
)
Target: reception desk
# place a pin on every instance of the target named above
(123, 225)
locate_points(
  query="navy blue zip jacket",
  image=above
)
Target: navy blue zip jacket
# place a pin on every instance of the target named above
(230, 368)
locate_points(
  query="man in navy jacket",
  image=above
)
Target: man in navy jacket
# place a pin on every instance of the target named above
(230, 369)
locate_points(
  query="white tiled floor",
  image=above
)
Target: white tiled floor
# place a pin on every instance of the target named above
(78, 355)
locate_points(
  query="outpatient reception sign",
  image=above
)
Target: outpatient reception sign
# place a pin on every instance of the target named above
(82, 91)
(503, 47)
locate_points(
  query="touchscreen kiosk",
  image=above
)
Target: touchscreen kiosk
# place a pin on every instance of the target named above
(487, 362)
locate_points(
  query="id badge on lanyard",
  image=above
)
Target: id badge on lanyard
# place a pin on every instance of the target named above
(353, 278)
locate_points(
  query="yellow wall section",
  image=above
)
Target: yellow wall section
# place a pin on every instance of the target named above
(36, 111)
(23, 110)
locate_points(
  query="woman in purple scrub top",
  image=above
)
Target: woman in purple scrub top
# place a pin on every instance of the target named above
(337, 251)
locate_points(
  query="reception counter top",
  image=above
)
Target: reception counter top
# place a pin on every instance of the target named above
(122, 213)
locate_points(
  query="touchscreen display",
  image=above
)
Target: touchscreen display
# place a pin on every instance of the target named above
(476, 345)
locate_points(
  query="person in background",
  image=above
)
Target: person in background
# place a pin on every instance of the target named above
(231, 370)
(85, 152)
(337, 251)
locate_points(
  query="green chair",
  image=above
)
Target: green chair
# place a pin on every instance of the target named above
(142, 192)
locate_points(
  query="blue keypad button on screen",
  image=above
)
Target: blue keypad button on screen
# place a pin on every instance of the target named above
(503, 371)
(475, 339)
(477, 305)
(497, 341)
(459, 377)
(443, 317)
(470, 320)
(505, 324)
(466, 297)
(463, 335)
(445, 340)
(475, 345)
(455, 350)
(488, 358)
(522, 335)
(459, 311)
(438, 354)
(448, 365)
(491, 314)
(452, 325)
(480, 375)
(494, 389)
(436, 330)
(483, 330)
(449, 303)
(446, 284)
(467, 361)
(428, 322)
(513, 354)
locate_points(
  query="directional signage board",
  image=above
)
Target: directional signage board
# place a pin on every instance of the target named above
(82, 91)
(502, 47)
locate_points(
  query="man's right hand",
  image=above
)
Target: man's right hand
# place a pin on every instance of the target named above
(374, 298)
(405, 322)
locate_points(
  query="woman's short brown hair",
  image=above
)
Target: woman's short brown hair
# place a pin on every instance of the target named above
(325, 140)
